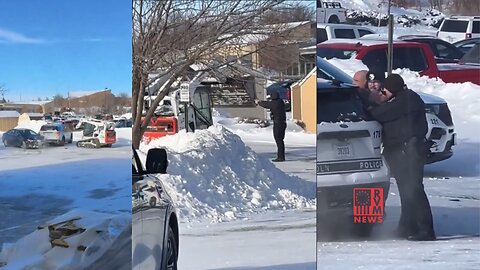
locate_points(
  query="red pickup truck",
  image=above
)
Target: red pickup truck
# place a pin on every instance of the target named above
(414, 56)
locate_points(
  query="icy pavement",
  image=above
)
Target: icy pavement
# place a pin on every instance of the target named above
(38, 185)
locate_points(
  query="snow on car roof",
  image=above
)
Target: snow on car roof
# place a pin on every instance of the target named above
(363, 42)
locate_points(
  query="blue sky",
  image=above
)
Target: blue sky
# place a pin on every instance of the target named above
(52, 47)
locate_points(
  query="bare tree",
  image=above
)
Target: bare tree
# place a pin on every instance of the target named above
(3, 90)
(171, 35)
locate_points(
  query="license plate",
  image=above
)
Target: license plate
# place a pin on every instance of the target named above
(344, 150)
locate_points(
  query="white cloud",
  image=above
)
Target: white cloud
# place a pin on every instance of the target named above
(13, 37)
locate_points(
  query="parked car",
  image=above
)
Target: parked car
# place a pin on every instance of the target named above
(441, 130)
(406, 54)
(123, 123)
(57, 133)
(22, 137)
(284, 91)
(444, 52)
(466, 44)
(457, 28)
(155, 234)
(330, 12)
(332, 31)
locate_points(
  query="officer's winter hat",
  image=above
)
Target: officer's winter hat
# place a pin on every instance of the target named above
(394, 83)
(376, 75)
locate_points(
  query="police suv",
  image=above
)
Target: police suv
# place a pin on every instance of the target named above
(349, 149)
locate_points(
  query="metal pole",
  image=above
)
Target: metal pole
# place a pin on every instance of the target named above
(390, 41)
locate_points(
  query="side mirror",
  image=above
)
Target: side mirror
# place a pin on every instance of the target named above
(157, 161)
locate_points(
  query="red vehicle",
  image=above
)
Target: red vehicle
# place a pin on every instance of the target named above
(414, 56)
(159, 127)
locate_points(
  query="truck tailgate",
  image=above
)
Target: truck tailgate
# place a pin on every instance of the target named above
(457, 73)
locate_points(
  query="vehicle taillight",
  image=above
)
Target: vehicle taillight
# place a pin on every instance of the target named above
(58, 133)
(289, 93)
(468, 35)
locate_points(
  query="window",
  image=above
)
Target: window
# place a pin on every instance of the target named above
(454, 26)
(411, 58)
(335, 105)
(376, 59)
(476, 27)
(321, 35)
(444, 51)
(344, 33)
(363, 32)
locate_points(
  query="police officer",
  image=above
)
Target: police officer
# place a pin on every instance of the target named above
(277, 109)
(402, 116)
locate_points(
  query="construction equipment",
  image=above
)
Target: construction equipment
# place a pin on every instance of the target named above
(187, 106)
(97, 133)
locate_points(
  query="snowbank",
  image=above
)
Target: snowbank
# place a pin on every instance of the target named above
(34, 251)
(213, 175)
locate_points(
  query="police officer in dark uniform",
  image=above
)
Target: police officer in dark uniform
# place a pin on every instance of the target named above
(277, 109)
(404, 128)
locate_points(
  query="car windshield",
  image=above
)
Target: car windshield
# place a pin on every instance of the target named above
(27, 133)
(48, 128)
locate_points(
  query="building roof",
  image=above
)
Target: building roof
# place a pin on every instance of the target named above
(9, 114)
(79, 94)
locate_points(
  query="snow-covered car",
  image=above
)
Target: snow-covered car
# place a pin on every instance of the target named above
(22, 137)
(441, 130)
(155, 235)
(348, 157)
(57, 133)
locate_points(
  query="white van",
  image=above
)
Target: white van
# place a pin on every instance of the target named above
(457, 28)
(327, 31)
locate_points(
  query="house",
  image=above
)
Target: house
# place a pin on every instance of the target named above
(304, 101)
(281, 57)
(8, 120)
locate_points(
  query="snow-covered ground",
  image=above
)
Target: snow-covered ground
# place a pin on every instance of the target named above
(37, 186)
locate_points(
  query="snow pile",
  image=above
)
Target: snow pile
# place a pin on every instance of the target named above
(463, 99)
(34, 251)
(34, 125)
(371, 12)
(213, 175)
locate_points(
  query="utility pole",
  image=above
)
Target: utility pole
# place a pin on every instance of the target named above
(390, 40)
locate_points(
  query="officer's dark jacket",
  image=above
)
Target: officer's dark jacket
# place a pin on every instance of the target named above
(277, 108)
(402, 117)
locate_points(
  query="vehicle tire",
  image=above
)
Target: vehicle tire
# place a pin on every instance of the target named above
(333, 19)
(170, 252)
(5, 143)
(24, 145)
(71, 139)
